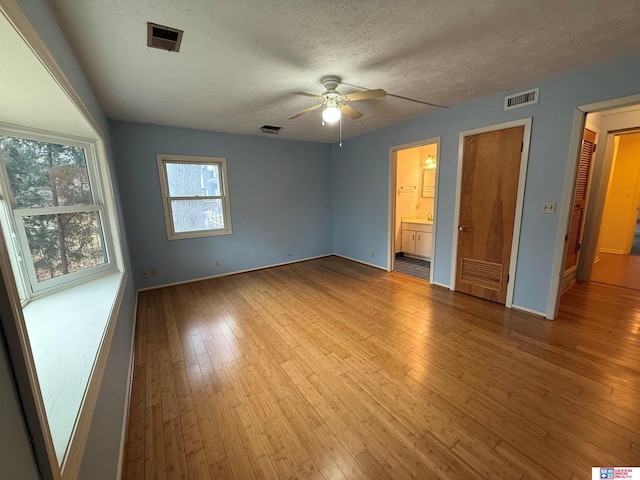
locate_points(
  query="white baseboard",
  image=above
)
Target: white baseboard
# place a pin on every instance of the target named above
(127, 398)
(200, 279)
(528, 310)
(442, 285)
(360, 261)
(612, 250)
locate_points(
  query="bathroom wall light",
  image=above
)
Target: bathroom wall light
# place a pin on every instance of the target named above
(430, 162)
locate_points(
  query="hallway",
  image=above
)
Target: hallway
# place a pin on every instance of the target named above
(619, 270)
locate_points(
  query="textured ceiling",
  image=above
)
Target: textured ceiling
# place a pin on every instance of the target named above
(240, 59)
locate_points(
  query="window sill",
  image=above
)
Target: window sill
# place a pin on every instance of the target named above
(66, 331)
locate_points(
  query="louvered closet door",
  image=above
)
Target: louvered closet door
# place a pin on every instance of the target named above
(490, 172)
(574, 237)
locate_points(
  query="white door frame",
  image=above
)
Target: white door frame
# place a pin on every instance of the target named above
(515, 241)
(392, 200)
(579, 120)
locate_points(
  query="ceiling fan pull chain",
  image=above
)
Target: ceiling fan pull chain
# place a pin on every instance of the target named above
(340, 144)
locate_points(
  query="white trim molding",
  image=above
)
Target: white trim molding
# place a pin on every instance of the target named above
(515, 241)
(167, 199)
(211, 277)
(358, 261)
(75, 449)
(127, 397)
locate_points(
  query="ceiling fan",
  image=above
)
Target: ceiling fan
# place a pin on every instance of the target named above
(334, 103)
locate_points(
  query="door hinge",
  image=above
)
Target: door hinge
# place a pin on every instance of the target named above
(579, 246)
(521, 146)
(508, 276)
(566, 237)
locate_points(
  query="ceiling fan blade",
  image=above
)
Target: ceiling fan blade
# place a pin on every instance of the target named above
(312, 95)
(350, 112)
(306, 110)
(352, 97)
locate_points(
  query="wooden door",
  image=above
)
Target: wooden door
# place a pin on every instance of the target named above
(489, 188)
(574, 236)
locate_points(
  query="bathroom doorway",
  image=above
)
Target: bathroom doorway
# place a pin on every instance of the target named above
(414, 175)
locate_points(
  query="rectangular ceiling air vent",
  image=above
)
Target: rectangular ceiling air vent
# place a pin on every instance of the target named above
(521, 99)
(270, 129)
(164, 38)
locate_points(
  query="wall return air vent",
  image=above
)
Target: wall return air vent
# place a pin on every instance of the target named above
(164, 38)
(521, 99)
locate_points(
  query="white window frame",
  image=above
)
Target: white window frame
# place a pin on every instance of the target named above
(221, 162)
(28, 285)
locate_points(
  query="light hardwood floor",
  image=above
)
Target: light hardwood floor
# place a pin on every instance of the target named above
(328, 369)
(620, 270)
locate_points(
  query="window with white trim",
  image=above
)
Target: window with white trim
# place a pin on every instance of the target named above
(195, 196)
(53, 206)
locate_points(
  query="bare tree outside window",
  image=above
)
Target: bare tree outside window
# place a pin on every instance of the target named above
(53, 205)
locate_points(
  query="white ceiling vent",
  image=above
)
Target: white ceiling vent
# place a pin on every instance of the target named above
(521, 99)
(164, 38)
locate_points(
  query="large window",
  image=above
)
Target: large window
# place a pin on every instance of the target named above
(195, 196)
(53, 205)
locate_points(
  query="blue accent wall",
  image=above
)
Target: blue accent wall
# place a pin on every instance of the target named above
(280, 197)
(361, 173)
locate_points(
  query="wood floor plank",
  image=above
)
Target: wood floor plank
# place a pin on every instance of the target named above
(174, 453)
(304, 430)
(154, 455)
(198, 466)
(332, 370)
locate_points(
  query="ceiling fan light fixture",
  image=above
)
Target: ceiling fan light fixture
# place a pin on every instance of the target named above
(331, 114)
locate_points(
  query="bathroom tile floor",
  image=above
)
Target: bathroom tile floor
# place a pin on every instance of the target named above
(414, 267)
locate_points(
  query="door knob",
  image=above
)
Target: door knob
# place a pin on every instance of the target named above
(462, 228)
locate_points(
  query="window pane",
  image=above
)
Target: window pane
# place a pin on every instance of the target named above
(197, 215)
(193, 179)
(65, 243)
(45, 174)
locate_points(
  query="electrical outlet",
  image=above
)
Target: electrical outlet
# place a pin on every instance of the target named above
(217, 263)
(549, 207)
(153, 272)
(144, 273)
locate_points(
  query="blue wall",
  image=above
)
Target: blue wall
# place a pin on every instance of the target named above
(280, 197)
(361, 173)
(100, 459)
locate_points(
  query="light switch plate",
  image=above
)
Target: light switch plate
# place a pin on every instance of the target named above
(549, 207)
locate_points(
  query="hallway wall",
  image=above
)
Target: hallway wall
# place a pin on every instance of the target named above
(361, 174)
(623, 194)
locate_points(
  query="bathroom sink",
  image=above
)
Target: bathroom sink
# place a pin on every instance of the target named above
(420, 220)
